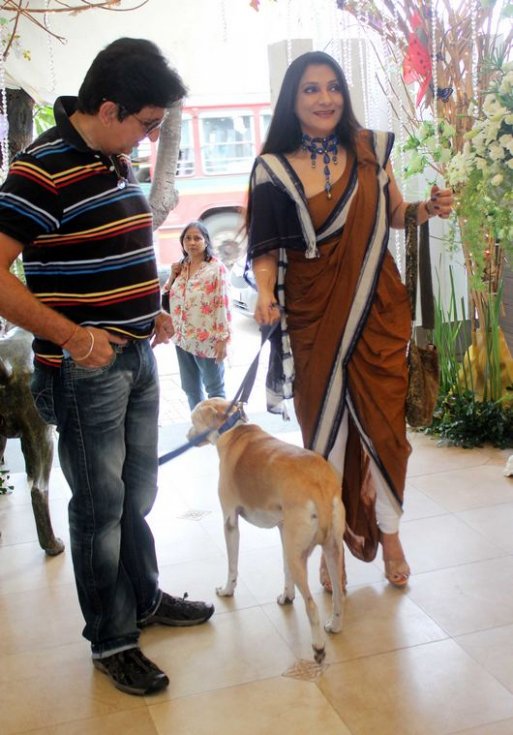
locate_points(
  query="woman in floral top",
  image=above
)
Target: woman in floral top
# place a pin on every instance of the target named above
(198, 302)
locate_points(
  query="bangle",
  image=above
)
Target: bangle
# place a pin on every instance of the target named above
(429, 214)
(84, 357)
(68, 339)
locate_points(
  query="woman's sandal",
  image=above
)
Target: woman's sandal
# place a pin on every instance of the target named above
(397, 572)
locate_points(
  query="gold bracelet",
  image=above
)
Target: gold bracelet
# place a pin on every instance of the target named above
(75, 330)
(84, 357)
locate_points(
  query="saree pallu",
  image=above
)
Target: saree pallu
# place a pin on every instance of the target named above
(348, 321)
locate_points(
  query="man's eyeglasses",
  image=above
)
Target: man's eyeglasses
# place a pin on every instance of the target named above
(149, 126)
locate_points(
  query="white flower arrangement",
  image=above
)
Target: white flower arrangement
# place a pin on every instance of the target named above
(483, 171)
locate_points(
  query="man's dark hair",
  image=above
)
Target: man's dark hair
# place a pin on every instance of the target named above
(133, 73)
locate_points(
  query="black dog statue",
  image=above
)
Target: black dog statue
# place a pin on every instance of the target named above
(20, 418)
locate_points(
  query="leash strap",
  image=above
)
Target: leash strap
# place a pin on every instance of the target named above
(184, 447)
(241, 396)
(248, 382)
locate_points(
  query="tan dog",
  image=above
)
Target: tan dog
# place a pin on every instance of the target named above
(272, 483)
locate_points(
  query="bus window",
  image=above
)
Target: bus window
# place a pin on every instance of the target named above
(141, 161)
(218, 145)
(185, 166)
(227, 142)
(265, 121)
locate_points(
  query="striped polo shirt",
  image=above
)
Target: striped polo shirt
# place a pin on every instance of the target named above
(86, 231)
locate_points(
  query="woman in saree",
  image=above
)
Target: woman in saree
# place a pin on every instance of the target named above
(322, 200)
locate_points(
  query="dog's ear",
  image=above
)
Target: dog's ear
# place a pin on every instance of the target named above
(216, 416)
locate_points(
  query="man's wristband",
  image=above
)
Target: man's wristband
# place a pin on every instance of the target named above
(68, 339)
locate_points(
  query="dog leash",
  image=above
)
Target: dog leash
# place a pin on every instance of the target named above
(241, 397)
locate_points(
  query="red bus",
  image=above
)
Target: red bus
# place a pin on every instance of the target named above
(217, 148)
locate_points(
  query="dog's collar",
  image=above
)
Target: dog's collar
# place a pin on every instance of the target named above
(231, 421)
(234, 419)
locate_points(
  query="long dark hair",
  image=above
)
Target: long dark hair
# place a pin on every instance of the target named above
(208, 253)
(284, 135)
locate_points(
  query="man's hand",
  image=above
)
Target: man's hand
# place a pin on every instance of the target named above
(90, 347)
(164, 329)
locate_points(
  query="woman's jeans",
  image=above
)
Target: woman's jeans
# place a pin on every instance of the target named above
(198, 371)
(107, 423)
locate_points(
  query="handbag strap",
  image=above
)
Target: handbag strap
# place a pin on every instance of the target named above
(418, 267)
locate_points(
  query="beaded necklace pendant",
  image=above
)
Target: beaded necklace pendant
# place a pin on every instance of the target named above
(328, 149)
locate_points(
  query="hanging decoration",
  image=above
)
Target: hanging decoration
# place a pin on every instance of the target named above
(4, 121)
(14, 10)
(49, 40)
(434, 67)
(417, 62)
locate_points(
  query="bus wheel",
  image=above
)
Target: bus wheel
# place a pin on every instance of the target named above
(226, 233)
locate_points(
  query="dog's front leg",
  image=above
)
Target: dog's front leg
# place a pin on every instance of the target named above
(231, 535)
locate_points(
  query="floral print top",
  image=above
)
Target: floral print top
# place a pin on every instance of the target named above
(199, 308)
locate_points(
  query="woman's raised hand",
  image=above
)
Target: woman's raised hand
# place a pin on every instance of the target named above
(440, 204)
(267, 310)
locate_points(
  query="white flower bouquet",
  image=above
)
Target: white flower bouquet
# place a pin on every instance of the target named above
(482, 172)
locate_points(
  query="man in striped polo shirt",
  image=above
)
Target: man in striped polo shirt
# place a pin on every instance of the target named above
(71, 206)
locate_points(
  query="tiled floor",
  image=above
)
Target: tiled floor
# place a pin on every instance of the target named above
(435, 658)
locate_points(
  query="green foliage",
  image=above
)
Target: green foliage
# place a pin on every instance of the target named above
(507, 11)
(461, 417)
(43, 118)
(467, 422)
(447, 336)
(493, 377)
(429, 147)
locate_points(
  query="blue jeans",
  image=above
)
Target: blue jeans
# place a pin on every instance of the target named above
(198, 371)
(107, 423)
